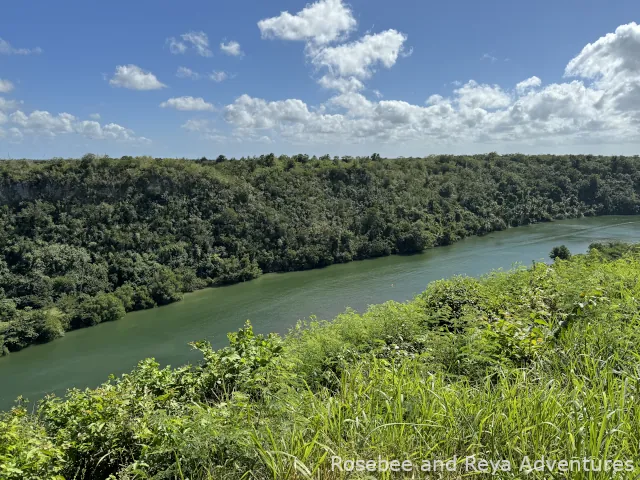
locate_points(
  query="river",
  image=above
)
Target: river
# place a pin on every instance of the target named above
(274, 302)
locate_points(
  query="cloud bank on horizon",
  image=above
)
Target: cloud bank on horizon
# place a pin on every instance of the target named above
(597, 101)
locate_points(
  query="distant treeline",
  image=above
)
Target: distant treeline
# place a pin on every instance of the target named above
(84, 241)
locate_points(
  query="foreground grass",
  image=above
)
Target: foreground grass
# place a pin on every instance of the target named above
(537, 363)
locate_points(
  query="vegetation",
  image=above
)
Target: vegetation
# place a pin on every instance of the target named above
(84, 241)
(537, 362)
(562, 252)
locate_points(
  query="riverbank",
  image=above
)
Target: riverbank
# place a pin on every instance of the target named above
(86, 241)
(537, 362)
(274, 302)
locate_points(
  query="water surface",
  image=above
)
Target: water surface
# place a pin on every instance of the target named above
(274, 302)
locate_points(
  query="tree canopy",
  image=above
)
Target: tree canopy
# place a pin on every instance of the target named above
(84, 241)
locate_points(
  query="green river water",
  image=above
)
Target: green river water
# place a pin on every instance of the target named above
(274, 302)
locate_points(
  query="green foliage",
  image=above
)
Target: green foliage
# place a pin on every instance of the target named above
(148, 230)
(450, 303)
(243, 366)
(104, 307)
(537, 362)
(26, 450)
(561, 252)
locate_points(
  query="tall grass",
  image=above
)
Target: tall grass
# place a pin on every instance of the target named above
(538, 363)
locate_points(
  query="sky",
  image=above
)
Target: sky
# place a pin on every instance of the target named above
(195, 78)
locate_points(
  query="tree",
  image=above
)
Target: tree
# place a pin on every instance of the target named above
(164, 286)
(104, 307)
(561, 252)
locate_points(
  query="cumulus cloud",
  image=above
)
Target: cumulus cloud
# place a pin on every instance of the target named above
(94, 116)
(7, 49)
(134, 78)
(5, 86)
(184, 72)
(188, 104)
(601, 105)
(359, 58)
(111, 131)
(321, 22)
(15, 134)
(612, 63)
(205, 128)
(8, 105)
(529, 83)
(231, 48)
(321, 25)
(473, 95)
(350, 84)
(218, 76)
(198, 41)
(44, 124)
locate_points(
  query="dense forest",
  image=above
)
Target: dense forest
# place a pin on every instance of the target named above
(538, 363)
(84, 241)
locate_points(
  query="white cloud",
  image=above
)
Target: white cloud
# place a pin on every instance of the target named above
(378, 94)
(255, 113)
(529, 83)
(15, 134)
(7, 49)
(358, 58)
(188, 104)
(345, 65)
(218, 76)
(605, 110)
(7, 105)
(231, 48)
(3, 118)
(473, 95)
(44, 124)
(321, 22)
(134, 78)
(94, 116)
(613, 64)
(205, 128)
(175, 46)
(112, 131)
(435, 99)
(184, 72)
(615, 54)
(5, 86)
(350, 84)
(199, 41)
(488, 57)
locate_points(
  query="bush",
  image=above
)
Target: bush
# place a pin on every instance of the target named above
(561, 252)
(104, 307)
(552, 348)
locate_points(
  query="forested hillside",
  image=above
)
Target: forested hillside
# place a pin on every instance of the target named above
(84, 241)
(529, 364)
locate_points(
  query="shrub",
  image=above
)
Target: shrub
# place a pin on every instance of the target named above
(561, 252)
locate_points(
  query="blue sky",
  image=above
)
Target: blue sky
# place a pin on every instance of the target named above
(400, 78)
